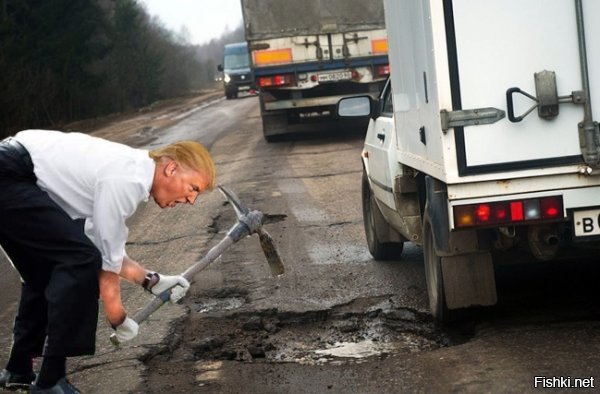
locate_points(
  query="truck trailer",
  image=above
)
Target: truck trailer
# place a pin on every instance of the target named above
(484, 143)
(308, 54)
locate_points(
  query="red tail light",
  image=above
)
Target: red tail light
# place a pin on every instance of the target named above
(276, 80)
(551, 207)
(482, 212)
(516, 210)
(508, 212)
(383, 70)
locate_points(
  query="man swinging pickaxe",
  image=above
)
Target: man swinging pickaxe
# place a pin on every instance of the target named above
(249, 222)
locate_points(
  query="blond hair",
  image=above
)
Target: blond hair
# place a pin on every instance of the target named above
(190, 154)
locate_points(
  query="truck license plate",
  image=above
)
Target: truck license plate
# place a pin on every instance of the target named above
(335, 76)
(586, 223)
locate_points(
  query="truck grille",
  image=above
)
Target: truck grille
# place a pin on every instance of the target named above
(242, 78)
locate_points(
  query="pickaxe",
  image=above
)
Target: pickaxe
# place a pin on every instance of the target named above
(249, 222)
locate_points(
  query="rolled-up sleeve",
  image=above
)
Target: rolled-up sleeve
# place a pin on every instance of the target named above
(115, 200)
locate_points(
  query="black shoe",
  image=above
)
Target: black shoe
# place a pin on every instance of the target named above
(61, 387)
(9, 380)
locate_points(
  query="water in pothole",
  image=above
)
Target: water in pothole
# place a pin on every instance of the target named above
(218, 304)
(357, 350)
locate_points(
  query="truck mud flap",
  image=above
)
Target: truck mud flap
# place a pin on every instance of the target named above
(469, 280)
(467, 270)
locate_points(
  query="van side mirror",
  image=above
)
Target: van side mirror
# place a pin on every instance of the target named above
(220, 67)
(354, 107)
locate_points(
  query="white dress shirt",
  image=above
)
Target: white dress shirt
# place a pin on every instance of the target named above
(93, 179)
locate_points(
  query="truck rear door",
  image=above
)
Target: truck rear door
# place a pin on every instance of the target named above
(495, 45)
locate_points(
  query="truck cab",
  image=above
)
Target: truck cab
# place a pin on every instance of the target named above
(237, 74)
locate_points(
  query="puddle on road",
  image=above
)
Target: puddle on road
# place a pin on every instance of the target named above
(218, 304)
(361, 349)
(195, 109)
(225, 299)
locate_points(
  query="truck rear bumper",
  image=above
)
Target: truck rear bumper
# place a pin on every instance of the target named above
(500, 189)
(303, 103)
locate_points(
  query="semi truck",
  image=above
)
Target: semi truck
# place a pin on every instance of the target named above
(237, 74)
(484, 145)
(308, 54)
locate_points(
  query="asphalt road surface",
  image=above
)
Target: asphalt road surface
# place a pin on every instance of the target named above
(337, 321)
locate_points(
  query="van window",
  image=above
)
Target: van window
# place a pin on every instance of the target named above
(234, 61)
(387, 108)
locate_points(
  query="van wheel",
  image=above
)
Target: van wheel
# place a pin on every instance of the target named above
(374, 222)
(433, 276)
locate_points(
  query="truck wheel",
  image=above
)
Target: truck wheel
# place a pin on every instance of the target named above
(433, 276)
(373, 222)
(274, 126)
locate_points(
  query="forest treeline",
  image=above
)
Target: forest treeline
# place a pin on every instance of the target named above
(66, 60)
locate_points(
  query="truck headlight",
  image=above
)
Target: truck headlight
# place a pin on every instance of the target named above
(227, 78)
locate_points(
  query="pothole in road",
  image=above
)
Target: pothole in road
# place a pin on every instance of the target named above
(354, 332)
(222, 300)
(212, 304)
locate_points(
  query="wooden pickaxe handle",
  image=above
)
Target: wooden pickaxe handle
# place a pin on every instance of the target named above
(189, 274)
(237, 232)
(249, 222)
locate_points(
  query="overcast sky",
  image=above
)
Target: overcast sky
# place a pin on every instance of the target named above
(205, 19)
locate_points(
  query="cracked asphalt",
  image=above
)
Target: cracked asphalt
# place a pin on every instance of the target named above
(337, 321)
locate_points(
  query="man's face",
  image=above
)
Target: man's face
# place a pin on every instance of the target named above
(174, 185)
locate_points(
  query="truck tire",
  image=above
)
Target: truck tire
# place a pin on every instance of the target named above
(274, 126)
(374, 222)
(433, 276)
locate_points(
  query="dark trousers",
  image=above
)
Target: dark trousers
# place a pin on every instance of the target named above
(58, 264)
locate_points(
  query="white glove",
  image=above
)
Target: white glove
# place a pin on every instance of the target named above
(127, 330)
(177, 283)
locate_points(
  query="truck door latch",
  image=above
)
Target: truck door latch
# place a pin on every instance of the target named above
(470, 117)
(546, 99)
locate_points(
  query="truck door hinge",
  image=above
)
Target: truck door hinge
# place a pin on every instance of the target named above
(470, 117)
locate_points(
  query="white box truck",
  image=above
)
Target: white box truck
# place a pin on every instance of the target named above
(484, 140)
(308, 54)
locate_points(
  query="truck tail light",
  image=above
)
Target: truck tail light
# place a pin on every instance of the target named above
(508, 212)
(276, 80)
(379, 46)
(275, 56)
(383, 70)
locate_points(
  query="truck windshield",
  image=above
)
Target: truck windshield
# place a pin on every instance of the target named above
(236, 61)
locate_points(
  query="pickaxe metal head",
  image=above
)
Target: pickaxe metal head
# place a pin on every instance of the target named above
(254, 220)
(240, 209)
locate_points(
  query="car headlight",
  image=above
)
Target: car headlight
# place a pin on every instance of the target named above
(227, 78)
